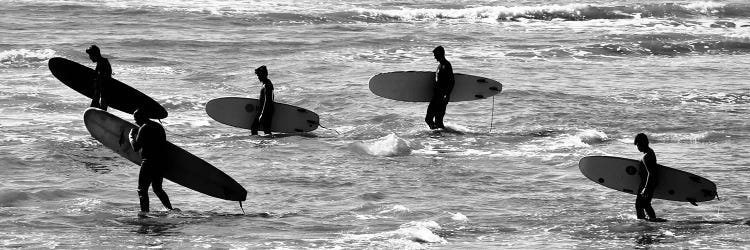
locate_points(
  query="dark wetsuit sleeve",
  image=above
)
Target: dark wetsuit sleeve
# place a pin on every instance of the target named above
(649, 162)
(106, 69)
(266, 97)
(138, 141)
(444, 79)
(450, 80)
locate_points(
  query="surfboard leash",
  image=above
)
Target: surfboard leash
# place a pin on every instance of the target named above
(243, 210)
(319, 125)
(492, 114)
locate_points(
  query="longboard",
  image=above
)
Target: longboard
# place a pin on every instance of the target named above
(119, 96)
(239, 112)
(180, 167)
(623, 175)
(417, 86)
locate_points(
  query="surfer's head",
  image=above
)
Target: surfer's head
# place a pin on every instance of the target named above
(261, 72)
(140, 116)
(641, 141)
(439, 52)
(94, 53)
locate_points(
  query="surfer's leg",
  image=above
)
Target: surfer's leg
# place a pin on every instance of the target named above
(267, 121)
(254, 126)
(639, 207)
(648, 208)
(430, 117)
(103, 104)
(440, 113)
(159, 191)
(144, 180)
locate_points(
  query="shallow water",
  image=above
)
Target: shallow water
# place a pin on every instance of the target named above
(579, 79)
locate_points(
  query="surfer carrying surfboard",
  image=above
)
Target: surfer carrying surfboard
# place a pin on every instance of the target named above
(444, 81)
(648, 179)
(101, 79)
(150, 141)
(263, 118)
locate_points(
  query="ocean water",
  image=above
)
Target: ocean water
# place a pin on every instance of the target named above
(580, 78)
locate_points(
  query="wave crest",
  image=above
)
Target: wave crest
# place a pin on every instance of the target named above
(570, 12)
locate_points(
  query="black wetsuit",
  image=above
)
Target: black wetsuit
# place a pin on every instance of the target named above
(151, 141)
(265, 110)
(101, 83)
(444, 82)
(649, 181)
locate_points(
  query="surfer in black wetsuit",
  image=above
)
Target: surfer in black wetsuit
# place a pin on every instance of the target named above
(648, 180)
(444, 82)
(149, 139)
(101, 79)
(264, 115)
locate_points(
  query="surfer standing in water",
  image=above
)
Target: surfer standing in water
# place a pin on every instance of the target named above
(101, 79)
(150, 140)
(648, 180)
(443, 86)
(265, 110)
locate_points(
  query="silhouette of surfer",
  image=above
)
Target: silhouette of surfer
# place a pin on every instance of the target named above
(149, 139)
(101, 79)
(649, 180)
(443, 86)
(265, 109)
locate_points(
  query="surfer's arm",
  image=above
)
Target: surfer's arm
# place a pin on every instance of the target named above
(103, 70)
(450, 80)
(135, 139)
(647, 179)
(649, 163)
(444, 80)
(267, 98)
(449, 88)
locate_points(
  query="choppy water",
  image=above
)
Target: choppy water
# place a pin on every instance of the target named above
(580, 78)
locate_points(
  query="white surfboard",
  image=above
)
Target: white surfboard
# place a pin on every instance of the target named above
(239, 112)
(417, 86)
(623, 175)
(180, 167)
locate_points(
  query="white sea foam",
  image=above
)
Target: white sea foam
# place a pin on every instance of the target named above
(146, 70)
(459, 217)
(25, 57)
(408, 236)
(389, 145)
(584, 138)
(705, 7)
(396, 209)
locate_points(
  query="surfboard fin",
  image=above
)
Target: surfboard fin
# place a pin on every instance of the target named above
(692, 201)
